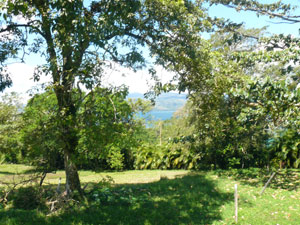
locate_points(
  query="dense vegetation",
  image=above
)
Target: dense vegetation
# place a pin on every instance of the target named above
(113, 136)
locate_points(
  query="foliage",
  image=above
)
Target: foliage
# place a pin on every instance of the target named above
(219, 137)
(178, 126)
(40, 135)
(274, 101)
(104, 193)
(168, 144)
(10, 124)
(9, 48)
(106, 128)
(167, 156)
(238, 101)
(284, 147)
(28, 198)
(107, 131)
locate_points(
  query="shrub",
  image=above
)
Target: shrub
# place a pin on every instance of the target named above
(27, 198)
(167, 156)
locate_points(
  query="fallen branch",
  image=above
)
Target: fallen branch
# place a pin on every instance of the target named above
(14, 185)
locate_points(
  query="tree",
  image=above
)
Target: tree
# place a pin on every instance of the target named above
(43, 146)
(213, 113)
(216, 111)
(105, 131)
(79, 39)
(277, 103)
(10, 125)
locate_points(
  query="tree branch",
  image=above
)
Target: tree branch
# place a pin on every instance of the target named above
(11, 27)
(292, 19)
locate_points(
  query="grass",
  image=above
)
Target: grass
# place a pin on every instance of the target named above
(172, 197)
(12, 169)
(12, 172)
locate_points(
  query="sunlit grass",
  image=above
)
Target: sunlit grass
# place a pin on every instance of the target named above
(279, 204)
(9, 172)
(13, 169)
(126, 177)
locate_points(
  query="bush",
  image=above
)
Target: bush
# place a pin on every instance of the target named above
(167, 156)
(28, 198)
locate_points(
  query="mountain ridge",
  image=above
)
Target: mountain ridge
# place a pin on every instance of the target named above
(165, 102)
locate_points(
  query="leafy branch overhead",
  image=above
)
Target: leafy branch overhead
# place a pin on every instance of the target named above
(277, 9)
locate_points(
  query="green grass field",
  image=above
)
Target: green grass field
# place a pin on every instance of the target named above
(169, 197)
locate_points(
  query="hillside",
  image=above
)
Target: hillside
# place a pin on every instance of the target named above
(166, 101)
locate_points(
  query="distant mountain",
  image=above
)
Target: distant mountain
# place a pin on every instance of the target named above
(166, 101)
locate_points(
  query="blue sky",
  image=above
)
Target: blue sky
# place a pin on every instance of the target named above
(137, 82)
(251, 20)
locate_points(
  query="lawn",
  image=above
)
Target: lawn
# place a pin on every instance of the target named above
(169, 197)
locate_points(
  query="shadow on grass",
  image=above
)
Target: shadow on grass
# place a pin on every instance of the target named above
(24, 172)
(287, 179)
(192, 199)
(7, 173)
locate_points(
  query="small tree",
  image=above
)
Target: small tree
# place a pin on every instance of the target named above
(105, 131)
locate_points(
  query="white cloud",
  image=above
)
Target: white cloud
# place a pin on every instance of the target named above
(22, 77)
(140, 81)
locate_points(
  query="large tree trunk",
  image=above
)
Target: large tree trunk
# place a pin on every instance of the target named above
(68, 121)
(72, 177)
(71, 140)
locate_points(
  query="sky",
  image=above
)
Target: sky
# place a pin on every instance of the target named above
(139, 82)
(251, 20)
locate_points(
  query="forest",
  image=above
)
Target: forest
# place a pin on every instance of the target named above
(242, 85)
